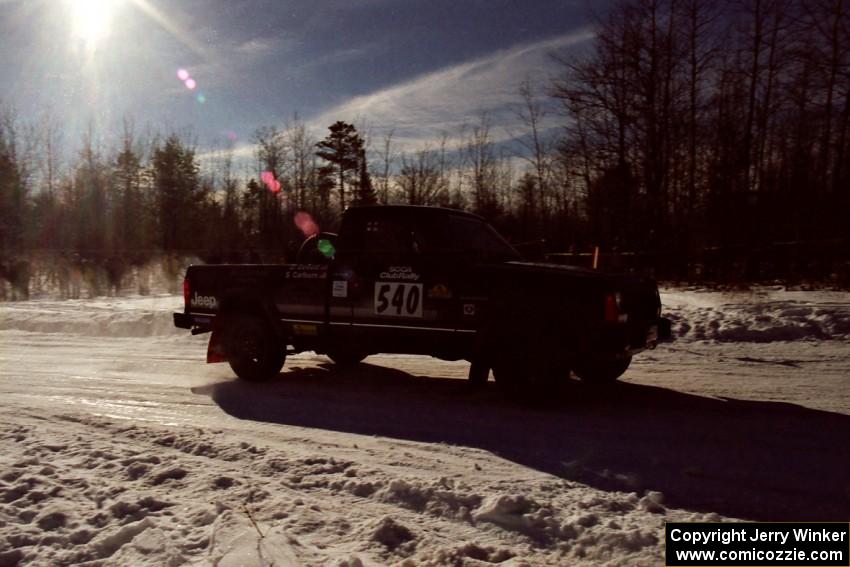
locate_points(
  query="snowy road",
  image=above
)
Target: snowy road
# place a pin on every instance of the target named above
(119, 446)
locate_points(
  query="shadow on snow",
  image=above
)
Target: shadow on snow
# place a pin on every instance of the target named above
(748, 459)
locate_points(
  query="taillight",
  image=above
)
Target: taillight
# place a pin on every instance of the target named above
(613, 306)
(186, 292)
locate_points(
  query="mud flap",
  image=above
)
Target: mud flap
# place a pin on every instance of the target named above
(215, 350)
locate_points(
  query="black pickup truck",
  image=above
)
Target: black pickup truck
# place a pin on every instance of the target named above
(423, 280)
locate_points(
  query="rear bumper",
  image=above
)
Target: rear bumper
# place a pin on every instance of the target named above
(648, 337)
(629, 339)
(182, 320)
(198, 323)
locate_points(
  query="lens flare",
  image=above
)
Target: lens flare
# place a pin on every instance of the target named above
(326, 248)
(182, 74)
(305, 223)
(268, 178)
(201, 98)
(190, 83)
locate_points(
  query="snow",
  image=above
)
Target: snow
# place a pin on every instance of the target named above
(119, 446)
(104, 317)
(761, 315)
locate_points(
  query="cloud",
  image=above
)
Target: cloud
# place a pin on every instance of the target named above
(259, 46)
(338, 57)
(231, 62)
(421, 109)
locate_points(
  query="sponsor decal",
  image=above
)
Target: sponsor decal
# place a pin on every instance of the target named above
(307, 272)
(440, 291)
(206, 301)
(399, 273)
(339, 288)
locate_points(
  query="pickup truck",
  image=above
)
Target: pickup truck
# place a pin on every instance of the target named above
(424, 280)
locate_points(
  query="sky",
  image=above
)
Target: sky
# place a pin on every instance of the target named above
(222, 68)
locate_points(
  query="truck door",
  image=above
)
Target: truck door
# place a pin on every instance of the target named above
(301, 288)
(397, 294)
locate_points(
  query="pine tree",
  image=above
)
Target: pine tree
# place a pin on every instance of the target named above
(129, 218)
(12, 192)
(342, 147)
(174, 170)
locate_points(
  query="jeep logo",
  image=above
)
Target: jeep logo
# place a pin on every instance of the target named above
(208, 301)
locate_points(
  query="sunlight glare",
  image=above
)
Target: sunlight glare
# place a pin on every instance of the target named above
(91, 19)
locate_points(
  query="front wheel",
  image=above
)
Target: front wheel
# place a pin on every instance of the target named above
(253, 349)
(601, 369)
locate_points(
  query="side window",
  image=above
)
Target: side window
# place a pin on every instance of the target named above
(377, 240)
(463, 235)
(386, 241)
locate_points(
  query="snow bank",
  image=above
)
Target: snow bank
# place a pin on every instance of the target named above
(762, 315)
(109, 492)
(107, 317)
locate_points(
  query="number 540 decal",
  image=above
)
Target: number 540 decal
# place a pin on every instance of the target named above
(398, 299)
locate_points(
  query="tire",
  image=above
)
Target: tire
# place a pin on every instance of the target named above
(601, 370)
(345, 358)
(479, 372)
(253, 349)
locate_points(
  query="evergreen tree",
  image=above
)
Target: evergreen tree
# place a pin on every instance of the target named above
(90, 189)
(342, 147)
(174, 171)
(12, 194)
(129, 216)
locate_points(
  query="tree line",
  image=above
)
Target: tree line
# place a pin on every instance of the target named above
(686, 127)
(697, 124)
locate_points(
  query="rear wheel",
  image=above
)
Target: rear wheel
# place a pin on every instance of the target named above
(253, 349)
(601, 369)
(479, 372)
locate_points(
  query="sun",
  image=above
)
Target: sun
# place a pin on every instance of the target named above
(91, 20)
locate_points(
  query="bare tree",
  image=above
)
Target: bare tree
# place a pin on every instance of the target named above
(386, 158)
(480, 161)
(701, 42)
(418, 179)
(537, 151)
(301, 147)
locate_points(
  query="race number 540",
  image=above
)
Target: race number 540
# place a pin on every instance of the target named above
(398, 299)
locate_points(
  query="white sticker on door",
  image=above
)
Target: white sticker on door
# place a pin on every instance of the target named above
(396, 299)
(340, 288)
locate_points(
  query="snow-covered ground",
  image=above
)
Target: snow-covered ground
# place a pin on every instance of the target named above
(119, 446)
